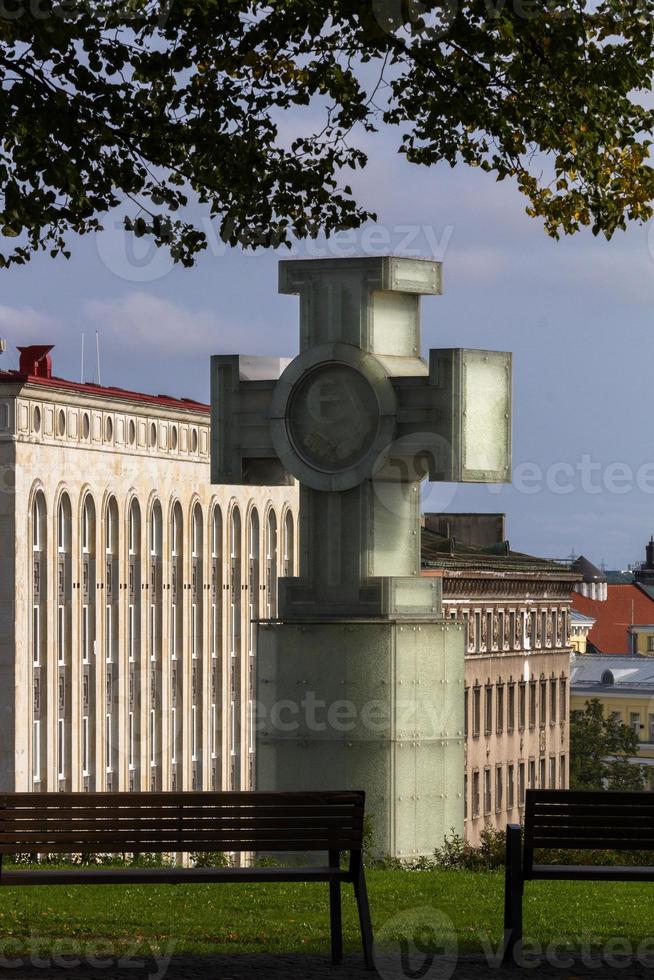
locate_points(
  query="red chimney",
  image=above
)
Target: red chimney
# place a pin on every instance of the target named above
(35, 360)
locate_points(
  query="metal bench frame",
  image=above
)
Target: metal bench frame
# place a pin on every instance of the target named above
(573, 820)
(71, 823)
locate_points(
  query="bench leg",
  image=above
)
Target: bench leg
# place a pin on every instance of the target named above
(335, 918)
(513, 893)
(361, 894)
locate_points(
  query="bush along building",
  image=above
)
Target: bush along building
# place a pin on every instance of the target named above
(516, 612)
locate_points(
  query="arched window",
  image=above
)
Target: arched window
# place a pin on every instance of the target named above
(39, 636)
(176, 644)
(254, 575)
(271, 565)
(289, 545)
(235, 584)
(216, 645)
(155, 596)
(112, 666)
(134, 644)
(88, 636)
(63, 619)
(197, 661)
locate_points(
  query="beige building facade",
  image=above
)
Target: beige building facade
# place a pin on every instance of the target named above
(516, 613)
(128, 591)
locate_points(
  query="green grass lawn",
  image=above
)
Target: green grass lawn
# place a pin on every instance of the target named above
(459, 907)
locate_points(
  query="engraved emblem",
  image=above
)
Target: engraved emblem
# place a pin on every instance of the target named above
(333, 417)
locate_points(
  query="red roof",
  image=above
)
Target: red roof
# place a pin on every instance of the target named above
(626, 605)
(188, 404)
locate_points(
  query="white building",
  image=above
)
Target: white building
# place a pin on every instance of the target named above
(127, 591)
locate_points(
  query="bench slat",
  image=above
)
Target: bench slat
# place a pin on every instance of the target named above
(186, 798)
(590, 872)
(111, 876)
(591, 797)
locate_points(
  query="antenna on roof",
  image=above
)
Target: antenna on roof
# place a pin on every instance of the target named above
(81, 374)
(97, 353)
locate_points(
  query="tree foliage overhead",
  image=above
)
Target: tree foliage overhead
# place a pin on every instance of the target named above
(149, 106)
(601, 750)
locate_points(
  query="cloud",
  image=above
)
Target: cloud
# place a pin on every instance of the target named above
(26, 324)
(143, 322)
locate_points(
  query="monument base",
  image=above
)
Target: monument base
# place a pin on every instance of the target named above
(367, 704)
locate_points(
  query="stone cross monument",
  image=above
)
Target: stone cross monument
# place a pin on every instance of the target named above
(360, 681)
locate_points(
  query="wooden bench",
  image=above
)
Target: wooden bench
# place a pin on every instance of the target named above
(573, 820)
(71, 823)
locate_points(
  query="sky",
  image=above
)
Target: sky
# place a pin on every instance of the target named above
(577, 315)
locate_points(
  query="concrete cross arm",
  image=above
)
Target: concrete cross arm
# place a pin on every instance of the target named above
(241, 446)
(455, 424)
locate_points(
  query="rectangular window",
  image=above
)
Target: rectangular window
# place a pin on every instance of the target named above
(510, 787)
(130, 738)
(153, 632)
(194, 733)
(488, 710)
(476, 711)
(465, 796)
(214, 630)
(108, 633)
(499, 787)
(532, 704)
(173, 631)
(107, 743)
(522, 705)
(61, 748)
(477, 631)
(500, 631)
(251, 725)
(131, 637)
(553, 701)
(542, 774)
(36, 636)
(562, 773)
(543, 630)
(552, 772)
(487, 791)
(555, 626)
(634, 721)
(36, 751)
(499, 709)
(85, 745)
(475, 793)
(153, 738)
(61, 634)
(615, 716)
(212, 733)
(521, 784)
(85, 634)
(532, 774)
(563, 701)
(489, 631)
(651, 728)
(234, 720)
(173, 724)
(542, 707)
(465, 712)
(194, 630)
(510, 717)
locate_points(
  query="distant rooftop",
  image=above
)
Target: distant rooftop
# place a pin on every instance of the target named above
(592, 673)
(35, 367)
(455, 552)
